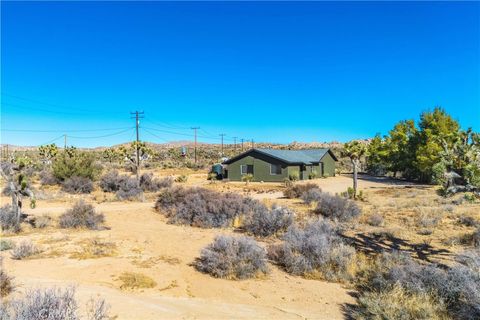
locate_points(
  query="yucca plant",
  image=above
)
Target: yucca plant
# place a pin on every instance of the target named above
(17, 186)
(247, 178)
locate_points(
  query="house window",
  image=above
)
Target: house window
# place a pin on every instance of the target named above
(246, 168)
(275, 169)
(243, 169)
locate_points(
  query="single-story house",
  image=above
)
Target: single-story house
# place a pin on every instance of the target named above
(277, 165)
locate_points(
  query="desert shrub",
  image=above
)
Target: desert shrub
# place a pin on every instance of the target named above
(24, 250)
(316, 251)
(42, 221)
(169, 198)
(6, 244)
(47, 178)
(336, 207)
(126, 188)
(398, 304)
(469, 197)
(475, 238)
(233, 258)
(53, 304)
(75, 165)
(263, 222)
(129, 190)
(294, 176)
(77, 185)
(81, 215)
(467, 239)
(6, 282)
(8, 219)
(311, 195)
(247, 178)
(132, 280)
(111, 181)
(296, 190)
(312, 175)
(375, 220)
(457, 288)
(181, 179)
(149, 183)
(213, 177)
(202, 207)
(468, 221)
(427, 219)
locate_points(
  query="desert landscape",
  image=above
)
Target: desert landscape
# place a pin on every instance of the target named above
(139, 240)
(226, 160)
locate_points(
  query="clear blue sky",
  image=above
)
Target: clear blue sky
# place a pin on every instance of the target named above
(311, 71)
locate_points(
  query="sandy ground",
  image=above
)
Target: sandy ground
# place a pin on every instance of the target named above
(181, 292)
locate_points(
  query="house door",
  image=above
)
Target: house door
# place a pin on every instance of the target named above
(321, 169)
(303, 169)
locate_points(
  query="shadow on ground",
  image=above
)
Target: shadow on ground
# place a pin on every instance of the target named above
(375, 243)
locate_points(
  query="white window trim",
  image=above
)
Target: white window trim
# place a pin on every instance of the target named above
(246, 169)
(275, 174)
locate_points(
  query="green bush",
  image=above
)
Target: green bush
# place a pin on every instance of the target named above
(75, 164)
(294, 176)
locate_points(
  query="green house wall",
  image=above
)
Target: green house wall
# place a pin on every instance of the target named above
(328, 165)
(261, 168)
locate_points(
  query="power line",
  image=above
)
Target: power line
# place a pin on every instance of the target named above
(103, 136)
(82, 130)
(166, 125)
(153, 134)
(48, 142)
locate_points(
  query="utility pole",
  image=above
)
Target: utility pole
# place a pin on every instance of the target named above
(195, 149)
(242, 143)
(252, 144)
(137, 115)
(235, 144)
(222, 135)
(65, 142)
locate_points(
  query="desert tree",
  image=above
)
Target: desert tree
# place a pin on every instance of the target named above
(247, 178)
(129, 154)
(17, 186)
(48, 152)
(354, 150)
(111, 155)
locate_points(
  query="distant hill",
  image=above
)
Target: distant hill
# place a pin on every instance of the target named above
(180, 143)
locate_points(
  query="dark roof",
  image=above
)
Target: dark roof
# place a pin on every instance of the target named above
(307, 156)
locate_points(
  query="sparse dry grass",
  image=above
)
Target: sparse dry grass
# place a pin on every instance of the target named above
(173, 284)
(132, 281)
(95, 248)
(152, 261)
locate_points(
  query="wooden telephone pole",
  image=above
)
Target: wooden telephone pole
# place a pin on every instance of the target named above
(235, 144)
(137, 115)
(222, 135)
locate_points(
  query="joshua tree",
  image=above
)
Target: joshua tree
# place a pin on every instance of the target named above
(111, 155)
(17, 186)
(48, 152)
(354, 150)
(247, 178)
(130, 154)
